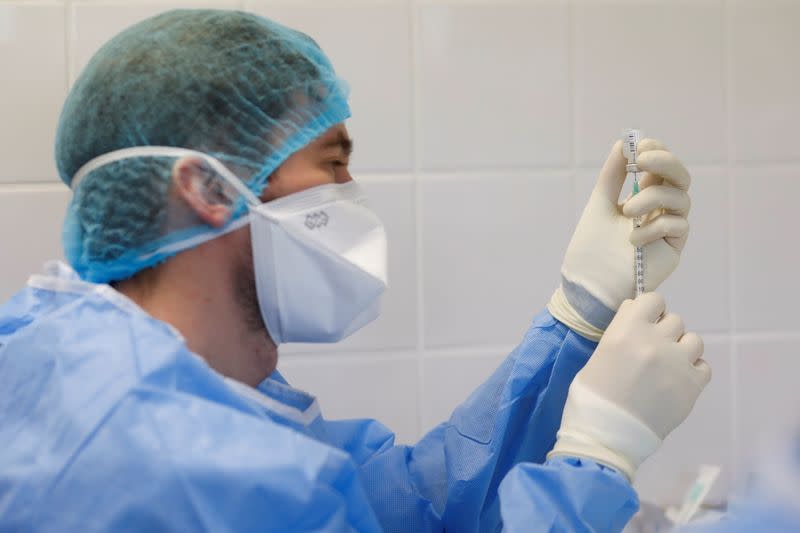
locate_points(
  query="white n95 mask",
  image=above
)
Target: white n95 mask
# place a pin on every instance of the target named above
(319, 255)
(320, 263)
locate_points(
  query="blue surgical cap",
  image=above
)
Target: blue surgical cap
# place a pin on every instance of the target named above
(238, 87)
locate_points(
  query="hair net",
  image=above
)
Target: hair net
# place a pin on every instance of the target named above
(243, 89)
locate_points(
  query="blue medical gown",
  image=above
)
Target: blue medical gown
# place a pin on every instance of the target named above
(109, 422)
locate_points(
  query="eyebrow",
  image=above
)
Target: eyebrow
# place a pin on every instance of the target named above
(343, 142)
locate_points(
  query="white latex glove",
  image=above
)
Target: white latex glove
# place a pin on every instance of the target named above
(639, 385)
(598, 269)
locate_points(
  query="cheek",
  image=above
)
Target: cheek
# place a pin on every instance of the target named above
(296, 177)
(309, 178)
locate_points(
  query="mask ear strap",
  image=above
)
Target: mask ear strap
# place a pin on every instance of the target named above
(164, 151)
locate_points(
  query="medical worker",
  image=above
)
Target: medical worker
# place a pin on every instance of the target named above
(213, 218)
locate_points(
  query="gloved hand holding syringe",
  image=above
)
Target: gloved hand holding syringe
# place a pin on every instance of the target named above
(631, 144)
(597, 274)
(647, 371)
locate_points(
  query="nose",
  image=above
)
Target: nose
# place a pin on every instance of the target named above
(344, 176)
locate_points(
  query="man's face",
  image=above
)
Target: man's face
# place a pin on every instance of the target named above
(323, 161)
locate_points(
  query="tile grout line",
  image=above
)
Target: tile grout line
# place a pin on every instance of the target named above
(733, 415)
(33, 187)
(466, 350)
(496, 172)
(68, 40)
(480, 350)
(766, 336)
(415, 89)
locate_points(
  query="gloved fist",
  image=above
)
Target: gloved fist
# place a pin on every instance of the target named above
(598, 269)
(639, 385)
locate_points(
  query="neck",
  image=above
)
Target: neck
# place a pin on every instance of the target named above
(193, 292)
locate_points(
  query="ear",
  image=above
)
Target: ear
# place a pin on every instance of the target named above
(190, 176)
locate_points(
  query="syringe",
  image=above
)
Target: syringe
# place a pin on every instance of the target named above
(632, 137)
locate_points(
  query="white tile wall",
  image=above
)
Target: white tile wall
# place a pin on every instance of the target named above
(491, 249)
(30, 233)
(650, 65)
(765, 80)
(493, 85)
(479, 127)
(766, 382)
(33, 84)
(766, 254)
